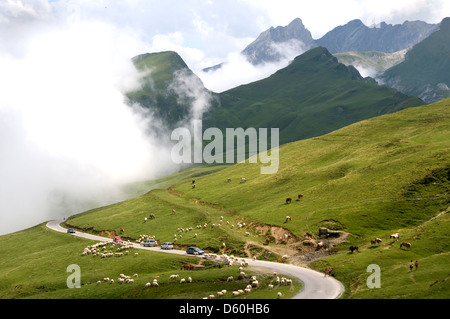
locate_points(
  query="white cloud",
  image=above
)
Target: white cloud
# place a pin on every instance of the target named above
(68, 138)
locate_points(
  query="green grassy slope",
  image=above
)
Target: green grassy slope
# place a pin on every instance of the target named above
(373, 178)
(312, 96)
(163, 73)
(34, 265)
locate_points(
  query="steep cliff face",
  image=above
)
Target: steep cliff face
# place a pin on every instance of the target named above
(294, 39)
(278, 43)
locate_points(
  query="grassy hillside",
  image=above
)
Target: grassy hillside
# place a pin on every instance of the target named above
(312, 96)
(164, 75)
(34, 265)
(426, 69)
(373, 178)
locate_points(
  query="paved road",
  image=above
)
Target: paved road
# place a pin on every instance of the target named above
(315, 284)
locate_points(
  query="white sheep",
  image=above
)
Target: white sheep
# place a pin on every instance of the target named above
(235, 293)
(255, 283)
(230, 278)
(189, 279)
(147, 285)
(219, 294)
(182, 281)
(155, 283)
(173, 276)
(270, 286)
(279, 294)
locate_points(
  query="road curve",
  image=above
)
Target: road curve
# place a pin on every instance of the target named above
(315, 284)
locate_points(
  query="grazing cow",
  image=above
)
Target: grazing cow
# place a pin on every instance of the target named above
(300, 196)
(243, 180)
(193, 186)
(152, 216)
(288, 218)
(229, 180)
(375, 241)
(406, 244)
(353, 248)
(193, 181)
(187, 267)
(288, 200)
(396, 236)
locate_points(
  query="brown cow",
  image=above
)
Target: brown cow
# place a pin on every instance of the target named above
(288, 200)
(406, 244)
(353, 248)
(300, 196)
(187, 267)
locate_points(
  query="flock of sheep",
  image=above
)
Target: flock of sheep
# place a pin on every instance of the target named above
(104, 249)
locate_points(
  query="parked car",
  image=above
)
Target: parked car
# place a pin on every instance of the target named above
(71, 231)
(194, 251)
(167, 245)
(149, 243)
(117, 239)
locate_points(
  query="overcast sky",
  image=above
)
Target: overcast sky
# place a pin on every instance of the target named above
(205, 32)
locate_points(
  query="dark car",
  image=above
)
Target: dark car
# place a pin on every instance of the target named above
(149, 243)
(71, 231)
(194, 251)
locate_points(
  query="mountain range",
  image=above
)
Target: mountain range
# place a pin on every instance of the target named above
(353, 36)
(313, 95)
(421, 49)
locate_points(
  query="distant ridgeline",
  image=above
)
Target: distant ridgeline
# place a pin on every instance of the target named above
(312, 96)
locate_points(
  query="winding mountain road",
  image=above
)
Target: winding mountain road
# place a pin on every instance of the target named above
(315, 284)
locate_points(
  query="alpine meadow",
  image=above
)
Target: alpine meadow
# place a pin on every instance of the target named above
(325, 176)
